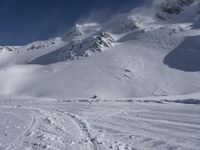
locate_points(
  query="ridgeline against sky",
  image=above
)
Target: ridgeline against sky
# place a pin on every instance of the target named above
(24, 21)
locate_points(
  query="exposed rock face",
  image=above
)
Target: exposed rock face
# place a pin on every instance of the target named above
(86, 47)
(7, 48)
(40, 44)
(171, 7)
(77, 48)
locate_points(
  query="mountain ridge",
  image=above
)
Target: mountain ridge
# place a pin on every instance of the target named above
(124, 57)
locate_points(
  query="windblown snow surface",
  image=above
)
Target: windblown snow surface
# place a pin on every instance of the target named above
(131, 83)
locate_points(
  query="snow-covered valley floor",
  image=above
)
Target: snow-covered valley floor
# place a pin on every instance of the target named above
(100, 125)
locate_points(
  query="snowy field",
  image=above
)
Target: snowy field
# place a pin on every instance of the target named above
(82, 91)
(100, 125)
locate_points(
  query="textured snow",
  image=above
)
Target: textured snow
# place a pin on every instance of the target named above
(102, 125)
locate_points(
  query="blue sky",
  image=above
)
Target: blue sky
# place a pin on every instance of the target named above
(24, 21)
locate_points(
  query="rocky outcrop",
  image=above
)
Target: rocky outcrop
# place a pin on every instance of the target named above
(168, 8)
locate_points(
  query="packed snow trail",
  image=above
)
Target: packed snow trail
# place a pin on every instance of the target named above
(100, 125)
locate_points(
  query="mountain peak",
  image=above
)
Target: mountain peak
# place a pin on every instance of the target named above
(80, 30)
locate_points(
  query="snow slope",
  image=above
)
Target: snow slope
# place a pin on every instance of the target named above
(136, 54)
(132, 83)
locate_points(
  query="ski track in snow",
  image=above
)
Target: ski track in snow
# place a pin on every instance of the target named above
(99, 125)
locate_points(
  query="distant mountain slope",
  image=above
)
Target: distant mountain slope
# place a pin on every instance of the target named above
(150, 51)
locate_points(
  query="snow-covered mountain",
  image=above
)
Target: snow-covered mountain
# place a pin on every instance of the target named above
(150, 51)
(130, 83)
